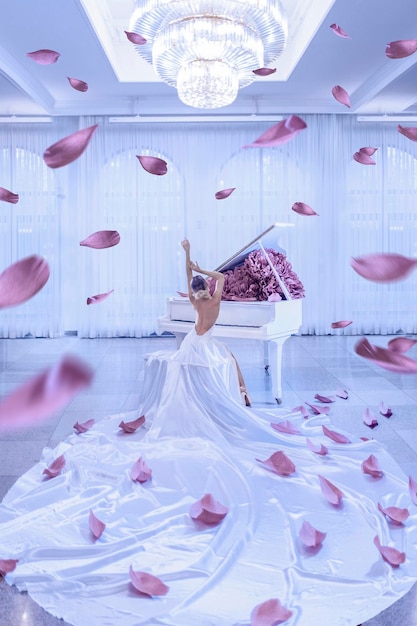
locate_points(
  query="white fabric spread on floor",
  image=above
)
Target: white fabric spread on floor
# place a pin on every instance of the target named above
(199, 438)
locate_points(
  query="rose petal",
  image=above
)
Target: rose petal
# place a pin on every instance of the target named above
(363, 158)
(301, 409)
(46, 393)
(182, 294)
(387, 359)
(84, 426)
(303, 209)
(274, 297)
(78, 84)
(135, 38)
(140, 471)
(341, 95)
(8, 196)
(55, 467)
(341, 324)
(208, 510)
(337, 437)
(96, 526)
(318, 410)
(131, 427)
(147, 583)
(401, 48)
(310, 536)
(319, 449)
(338, 30)
(390, 555)
(224, 193)
(330, 491)
(412, 487)
(7, 566)
(401, 344)
(269, 613)
(99, 297)
(394, 513)
(264, 71)
(279, 463)
(368, 150)
(153, 165)
(342, 393)
(384, 267)
(69, 148)
(280, 133)
(285, 427)
(369, 418)
(371, 466)
(101, 239)
(410, 133)
(22, 280)
(385, 410)
(323, 398)
(44, 57)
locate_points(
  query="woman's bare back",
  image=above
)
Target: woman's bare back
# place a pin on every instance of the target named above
(207, 314)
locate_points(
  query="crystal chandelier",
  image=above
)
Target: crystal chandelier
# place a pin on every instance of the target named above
(208, 49)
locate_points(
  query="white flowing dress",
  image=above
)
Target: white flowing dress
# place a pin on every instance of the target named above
(199, 438)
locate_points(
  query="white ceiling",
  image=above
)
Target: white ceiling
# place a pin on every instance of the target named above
(89, 35)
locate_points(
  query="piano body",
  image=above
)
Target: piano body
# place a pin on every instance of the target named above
(270, 322)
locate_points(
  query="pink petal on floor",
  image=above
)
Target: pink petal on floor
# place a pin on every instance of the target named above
(279, 463)
(363, 158)
(369, 418)
(321, 398)
(318, 410)
(341, 324)
(99, 297)
(342, 393)
(330, 491)
(341, 95)
(387, 359)
(401, 344)
(23, 280)
(131, 427)
(55, 467)
(7, 566)
(44, 56)
(303, 209)
(269, 613)
(280, 133)
(147, 583)
(84, 426)
(301, 409)
(140, 471)
(310, 536)
(410, 132)
(96, 526)
(79, 85)
(401, 48)
(412, 487)
(338, 30)
(390, 555)
(8, 196)
(46, 393)
(182, 294)
(224, 193)
(101, 239)
(135, 38)
(383, 267)
(317, 449)
(368, 150)
(384, 409)
(371, 466)
(208, 510)
(394, 513)
(335, 436)
(285, 427)
(69, 148)
(153, 165)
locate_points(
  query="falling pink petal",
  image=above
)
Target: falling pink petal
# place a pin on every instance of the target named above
(135, 38)
(341, 95)
(8, 196)
(285, 427)
(224, 193)
(401, 344)
(385, 410)
(147, 583)
(264, 71)
(99, 297)
(387, 359)
(394, 513)
(96, 526)
(369, 418)
(46, 393)
(101, 239)
(371, 466)
(410, 133)
(280, 133)
(55, 468)
(342, 393)
(69, 148)
(7, 566)
(303, 209)
(368, 150)
(22, 280)
(182, 294)
(279, 463)
(390, 555)
(365, 439)
(401, 48)
(131, 427)
(337, 437)
(384, 267)
(412, 487)
(321, 398)
(341, 324)
(274, 297)
(301, 409)
(208, 510)
(330, 491)
(44, 57)
(318, 410)
(78, 84)
(84, 426)
(338, 30)
(317, 449)
(140, 471)
(153, 165)
(269, 613)
(363, 158)
(310, 536)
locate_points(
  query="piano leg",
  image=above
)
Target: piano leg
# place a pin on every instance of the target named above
(275, 362)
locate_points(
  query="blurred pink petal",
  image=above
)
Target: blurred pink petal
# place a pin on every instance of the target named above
(390, 555)
(318, 410)
(368, 150)
(274, 297)
(387, 359)
(22, 280)
(341, 324)
(44, 57)
(84, 426)
(319, 449)
(365, 438)
(99, 297)
(182, 294)
(280, 133)
(135, 38)
(371, 466)
(310, 536)
(131, 427)
(96, 526)
(79, 85)
(8, 196)
(338, 30)
(401, 48)
(208, 510)
(7, 566)
(140, 471)
(279, 463)
(301, 409)
(153, 165)
(342, 393)
(394, 513)
(341, 95)
(69, 148)
(224, 193)
(101, 239)
(363, 158)
(264, 71)
(337, 437)
(269, 613)
(369, 418)
(46, 393)
(303, 209)
(410, 133)
(330, 491)
(401, 344)
(147, 583)
(384, 409)
(55, 467)
(285, 427)
(384, 267)
(321, 398)
(412, 487)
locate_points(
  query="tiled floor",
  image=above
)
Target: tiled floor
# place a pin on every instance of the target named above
(310, 365)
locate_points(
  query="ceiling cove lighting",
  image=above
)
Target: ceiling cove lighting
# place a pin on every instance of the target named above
(160, 119)
(386, 118)
(208, 49)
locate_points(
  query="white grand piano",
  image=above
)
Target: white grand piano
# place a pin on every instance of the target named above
(270, 322)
